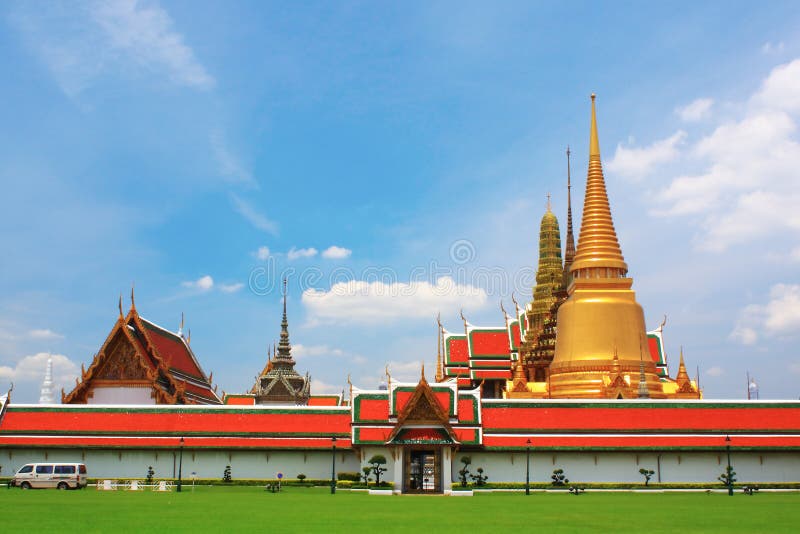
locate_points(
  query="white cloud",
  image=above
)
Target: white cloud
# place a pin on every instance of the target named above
(794, 368)
(32, 368)
(715, 371)
(794, 255)
(231, 288)
(635, 163)
(44, 333)
(228, 164)
(298, 253)
(368, 302)
(318, 387)
(748, 188)
(695, 110)
(204, 283)
(79, 42)
(262, 253)
(258, 220)
(309, 351)
(770, 48)
(336, 253)
(779, 316)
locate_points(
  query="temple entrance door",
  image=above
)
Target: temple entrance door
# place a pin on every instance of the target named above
(422, 471)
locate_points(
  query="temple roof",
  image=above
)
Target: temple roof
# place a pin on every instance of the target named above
(162, 357)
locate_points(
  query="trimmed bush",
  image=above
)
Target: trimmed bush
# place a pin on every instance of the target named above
(349, 475)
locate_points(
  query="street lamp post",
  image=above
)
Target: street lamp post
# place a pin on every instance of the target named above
(728, 473)
(333, 466)
(528, 467)
(180, 466)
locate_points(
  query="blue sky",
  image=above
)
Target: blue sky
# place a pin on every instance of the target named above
(202, 150)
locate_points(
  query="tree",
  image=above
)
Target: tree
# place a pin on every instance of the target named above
(559, 478)
(226, 475)
(301, 477)
(647, 474)
(150, 474)
(377, 462)
(463, 473)
(366, 470)
(480, 479)
(728, 477)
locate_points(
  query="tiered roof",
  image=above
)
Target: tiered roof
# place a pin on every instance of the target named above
(140, 353)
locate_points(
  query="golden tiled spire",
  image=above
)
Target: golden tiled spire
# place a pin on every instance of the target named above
(598, 246)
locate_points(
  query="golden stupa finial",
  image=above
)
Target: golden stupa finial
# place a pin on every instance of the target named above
(598, 246)
(594, 140)
(548, 203)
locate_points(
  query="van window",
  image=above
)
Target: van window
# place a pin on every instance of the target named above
(44, 469)
(82, 469)
(64, 470)
(26, 469)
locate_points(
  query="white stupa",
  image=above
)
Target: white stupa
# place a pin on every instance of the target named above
(47, 386)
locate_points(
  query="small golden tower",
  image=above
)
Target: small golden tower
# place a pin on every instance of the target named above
(601, 315)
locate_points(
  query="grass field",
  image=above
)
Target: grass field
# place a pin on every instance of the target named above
(239, 509)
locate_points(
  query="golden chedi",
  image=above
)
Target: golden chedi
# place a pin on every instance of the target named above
(601, 341)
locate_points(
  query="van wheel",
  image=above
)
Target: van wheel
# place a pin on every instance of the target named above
(25, 485)
(63, 486)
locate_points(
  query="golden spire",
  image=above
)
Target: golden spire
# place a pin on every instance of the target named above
(682, 377)
(598, 246)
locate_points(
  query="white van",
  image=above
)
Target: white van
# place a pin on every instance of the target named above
(51, 475)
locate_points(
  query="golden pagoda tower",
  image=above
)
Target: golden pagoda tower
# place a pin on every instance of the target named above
(600, 335)
(549, 277)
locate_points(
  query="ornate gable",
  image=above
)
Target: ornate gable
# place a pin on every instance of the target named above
(423, 409)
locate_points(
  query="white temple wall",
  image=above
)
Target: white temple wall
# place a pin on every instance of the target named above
(121, 395)
(205, 463)
(701, 466)
(579, 467)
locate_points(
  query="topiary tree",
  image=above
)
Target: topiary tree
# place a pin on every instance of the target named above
(226, 475)
(150, 474)
(647, 474)
(479, 479)
(728, 477)
(559, 478)
(377, 462)
(301, 477)
(463, 473)
(366, 470)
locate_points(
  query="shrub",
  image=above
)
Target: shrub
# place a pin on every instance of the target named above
(301, 477)
(226, 475)
(349, 475)
(463, 473)
(728, 478)
(377, 462)
(480, 479)
(559, 478)
(647, 474)
(366, 470)
(150, 474)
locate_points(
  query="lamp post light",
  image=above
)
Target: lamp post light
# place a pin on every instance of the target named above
(180, 466)
(333, 466)
(528, 467)
(728, 473)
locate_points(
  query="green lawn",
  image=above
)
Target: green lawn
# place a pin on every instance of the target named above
(240, 509)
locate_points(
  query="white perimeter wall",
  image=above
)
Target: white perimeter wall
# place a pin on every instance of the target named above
(499, 466)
